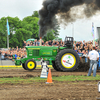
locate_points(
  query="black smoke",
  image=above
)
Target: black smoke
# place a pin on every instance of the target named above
(62, 8)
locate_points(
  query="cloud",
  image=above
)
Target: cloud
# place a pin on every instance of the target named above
(19, 8)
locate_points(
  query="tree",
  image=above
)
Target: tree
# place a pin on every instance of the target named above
(3, 41)
(14, 24)
(52, 34)
(32, 25)
(35, 14)
(3, 33)
(21, 34)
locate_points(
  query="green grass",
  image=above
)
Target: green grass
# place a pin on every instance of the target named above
(76, 78)
(24, 80)
(16, 80)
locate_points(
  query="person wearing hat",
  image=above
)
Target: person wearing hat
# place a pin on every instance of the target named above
(94, 57)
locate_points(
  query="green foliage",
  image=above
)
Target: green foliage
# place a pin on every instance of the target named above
(35, 14)
(31, 24)
(3, 32)
(24, 34)
(49, 36)
(14, 24)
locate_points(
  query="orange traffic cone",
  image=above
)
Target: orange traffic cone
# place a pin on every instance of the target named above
(49, 79)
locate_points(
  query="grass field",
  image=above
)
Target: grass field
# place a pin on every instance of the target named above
(25, 80)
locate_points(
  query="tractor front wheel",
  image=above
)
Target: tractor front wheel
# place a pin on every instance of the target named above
(30, 65)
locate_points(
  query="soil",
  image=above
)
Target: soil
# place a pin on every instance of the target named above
(78, 90)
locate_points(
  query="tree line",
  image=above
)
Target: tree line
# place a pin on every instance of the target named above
(21, 30)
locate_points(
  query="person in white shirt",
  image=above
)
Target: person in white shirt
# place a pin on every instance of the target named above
(94, 57)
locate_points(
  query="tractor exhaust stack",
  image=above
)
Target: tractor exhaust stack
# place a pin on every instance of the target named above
(40, 41)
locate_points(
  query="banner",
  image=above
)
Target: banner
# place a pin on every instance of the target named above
(8, 28)
(93, 34)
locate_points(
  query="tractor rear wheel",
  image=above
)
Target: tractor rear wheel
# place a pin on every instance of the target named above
(54, 66)
(67, 60)
(30, 65)
(23, 65)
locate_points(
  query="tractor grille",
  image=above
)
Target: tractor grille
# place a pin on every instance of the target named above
(35, 52)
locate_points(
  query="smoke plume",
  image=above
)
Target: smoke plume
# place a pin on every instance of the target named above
(66, 11)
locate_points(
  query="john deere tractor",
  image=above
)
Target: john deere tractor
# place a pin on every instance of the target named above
(61, 58)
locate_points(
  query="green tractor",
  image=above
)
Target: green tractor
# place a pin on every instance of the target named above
(61, 58)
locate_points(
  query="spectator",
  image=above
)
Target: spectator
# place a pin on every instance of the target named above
(50, 43)
(46, 43)
(31, 44)
(2, 54)
(61, 43)
(84, 53)
(94, 57)
(77, 44)
(5, 56)
(81, 47)
(53, 43)
(24, 44)
(79, 52)
(57, 43)
(15, 55)
(75, 48)
(38, 43)
(28, 43)
(35, 42)
(42, 42)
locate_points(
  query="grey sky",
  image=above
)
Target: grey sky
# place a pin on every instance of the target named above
(24, 8)
(20, 8)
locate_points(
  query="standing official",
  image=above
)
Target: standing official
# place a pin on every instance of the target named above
(94, 57)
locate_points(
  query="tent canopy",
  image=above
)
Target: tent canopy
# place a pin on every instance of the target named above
(57, 39)
(30, 40)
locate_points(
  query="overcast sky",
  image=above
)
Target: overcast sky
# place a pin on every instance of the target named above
(23, 8)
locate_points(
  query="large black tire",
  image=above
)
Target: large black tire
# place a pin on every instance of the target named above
(23, 65)
(30, 65)
(67, 60)
(54, 66)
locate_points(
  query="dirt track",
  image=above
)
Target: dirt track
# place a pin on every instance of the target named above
(79, 90)
(35, 73)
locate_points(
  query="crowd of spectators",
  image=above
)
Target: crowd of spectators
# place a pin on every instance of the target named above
(12, 53)
(81, 47)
